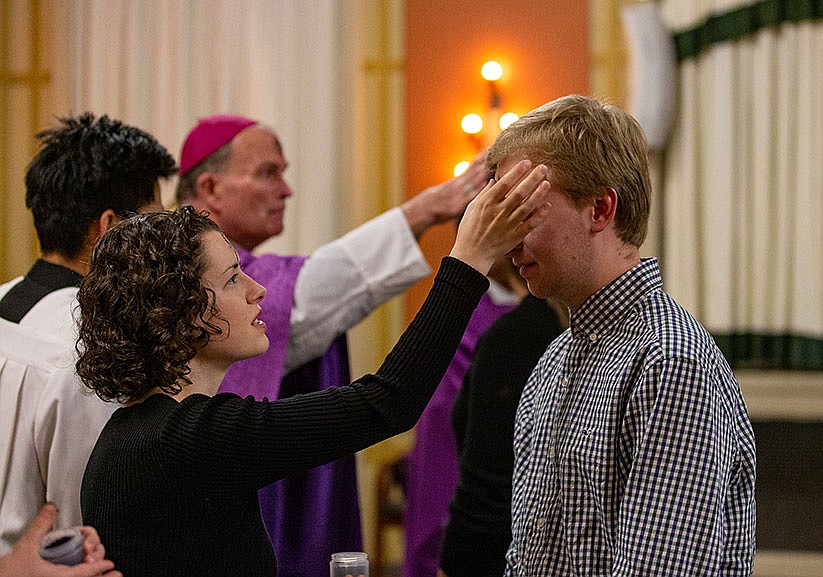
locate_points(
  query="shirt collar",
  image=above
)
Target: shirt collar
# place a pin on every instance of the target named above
(604, 308)
(53, 276)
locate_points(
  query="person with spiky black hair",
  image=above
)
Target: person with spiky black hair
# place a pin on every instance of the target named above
(90, 173)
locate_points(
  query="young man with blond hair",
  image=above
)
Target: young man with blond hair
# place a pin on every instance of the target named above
(634, 454)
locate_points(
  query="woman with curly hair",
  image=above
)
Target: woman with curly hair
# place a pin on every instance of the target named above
(171, 485)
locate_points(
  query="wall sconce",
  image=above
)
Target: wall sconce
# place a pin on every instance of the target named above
(484, 128)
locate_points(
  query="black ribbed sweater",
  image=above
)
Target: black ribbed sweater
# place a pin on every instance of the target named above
(172, 487)
(478, 533)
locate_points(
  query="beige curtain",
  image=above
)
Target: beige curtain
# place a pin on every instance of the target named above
(301, 65)
(161, 64)
(743, 178)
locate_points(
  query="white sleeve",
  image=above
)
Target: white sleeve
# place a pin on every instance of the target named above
(69, 420)
(345, 280)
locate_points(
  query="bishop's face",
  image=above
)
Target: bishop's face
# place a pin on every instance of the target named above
(250, 194)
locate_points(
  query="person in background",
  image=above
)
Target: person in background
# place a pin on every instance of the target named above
(88, 174)
(633, 449)
(166, 309)
(24, 560)
(235, 168)
(432, 463)
(478, 531)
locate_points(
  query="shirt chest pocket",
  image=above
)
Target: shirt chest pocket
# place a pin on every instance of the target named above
(585, 456)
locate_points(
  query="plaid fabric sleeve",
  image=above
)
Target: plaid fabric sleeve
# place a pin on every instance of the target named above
(671, 519)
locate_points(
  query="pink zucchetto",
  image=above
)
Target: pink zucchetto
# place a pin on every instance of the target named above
(211, 133)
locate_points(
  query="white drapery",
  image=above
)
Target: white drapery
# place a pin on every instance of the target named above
(743, 183)
(161, 64)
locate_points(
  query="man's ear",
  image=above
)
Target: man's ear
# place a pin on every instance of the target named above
(604, 210)
(107, 219)
(208, 193)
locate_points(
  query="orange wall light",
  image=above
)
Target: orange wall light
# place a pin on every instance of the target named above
(542, 48)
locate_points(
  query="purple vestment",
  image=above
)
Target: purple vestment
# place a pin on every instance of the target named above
(432, 464)
(316, 513)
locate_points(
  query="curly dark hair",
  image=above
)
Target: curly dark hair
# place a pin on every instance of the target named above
(85, 166)
(143, 308)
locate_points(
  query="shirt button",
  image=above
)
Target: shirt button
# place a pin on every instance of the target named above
(565, 382)
(592, 336)
(541, 522)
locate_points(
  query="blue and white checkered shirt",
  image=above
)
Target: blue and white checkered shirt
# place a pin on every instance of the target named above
(634, 454)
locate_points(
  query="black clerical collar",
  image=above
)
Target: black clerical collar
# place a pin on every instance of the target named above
(43, 278)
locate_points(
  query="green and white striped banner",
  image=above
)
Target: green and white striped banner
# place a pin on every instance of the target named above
(742, 243)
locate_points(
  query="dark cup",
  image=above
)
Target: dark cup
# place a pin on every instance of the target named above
(63, 546)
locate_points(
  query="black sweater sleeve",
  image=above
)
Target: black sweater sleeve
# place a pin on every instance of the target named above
(226, 442)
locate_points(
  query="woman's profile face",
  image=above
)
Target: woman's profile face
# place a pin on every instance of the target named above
(237, 299)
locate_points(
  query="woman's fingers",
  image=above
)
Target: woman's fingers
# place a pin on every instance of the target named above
(501, 187)
(501, 215)
(92, 547)
(532, 204)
